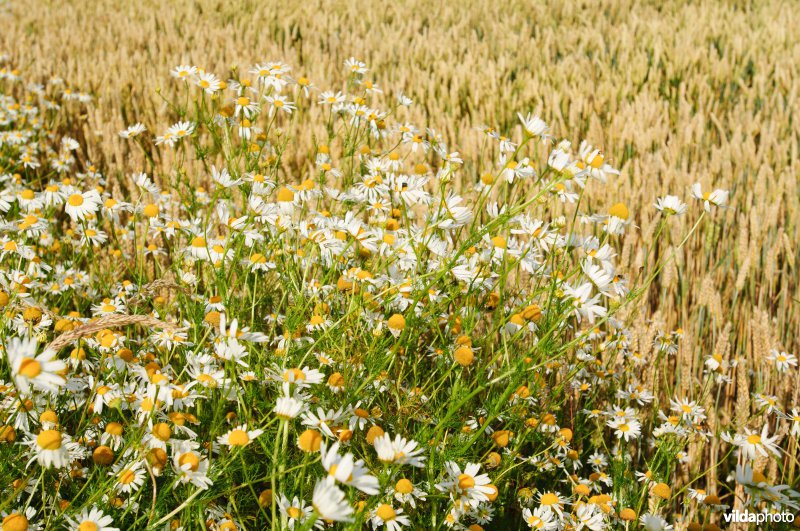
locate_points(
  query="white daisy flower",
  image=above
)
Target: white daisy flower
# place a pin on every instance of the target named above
(91, 520)
(30, 370)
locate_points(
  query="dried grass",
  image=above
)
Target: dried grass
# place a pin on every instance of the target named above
(103, 323)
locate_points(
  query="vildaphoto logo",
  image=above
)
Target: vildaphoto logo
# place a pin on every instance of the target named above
(742, 517)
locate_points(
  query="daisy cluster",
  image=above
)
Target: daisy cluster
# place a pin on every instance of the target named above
(377, 333)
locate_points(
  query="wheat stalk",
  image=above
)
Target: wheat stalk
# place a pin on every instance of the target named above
(109, 321)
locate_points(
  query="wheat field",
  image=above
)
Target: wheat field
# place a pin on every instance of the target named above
(343, 256)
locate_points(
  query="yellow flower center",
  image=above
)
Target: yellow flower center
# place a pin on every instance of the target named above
(397, 322)
(75, 200)
(285, 195)
(114, 428)
(548, 498)
(30, 368)
(14, 522)
(162, 431)
(32, 314)
(754, 439)
(49, 440)
(619, 210)
(295, 375)
(126, 476)
(207, 379)
(404, 486)
(499, 242)
(146, 405)
(465, 481)
(191, 459)
(309, 441)
(385, 512)
(238, 438)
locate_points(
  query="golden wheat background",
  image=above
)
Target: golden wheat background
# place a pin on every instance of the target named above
(673, 93)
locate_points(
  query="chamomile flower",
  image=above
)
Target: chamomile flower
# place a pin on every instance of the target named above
(405, 492)
(533, 125)
(80, 205)
(330, 504)
(301, 378)
(318, 322)
(93, 236)
(112, 435)
(296, 511)
(468, 487)
(129, 475)
(20, 520)
(279, 103)
(553, 501)
(782, 360)
(540, 519)
(389, 517)
(690, 409)
(585, 305)
(589, 516)
(223, 178)
(175, 133)
(794, 417)
(718, 198)
(670, 205)
(653, 522)
(239, 436)
(133, 131)
(92, 519)
(594, 162)
(208, 82)
(753, 444)
(289, 406)
(245, 106)
(34, 371)
(399, 451)
(184, 72)
(190, 465)
(355, 66)
(347, 470)
(331, 98)
(51, 448)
